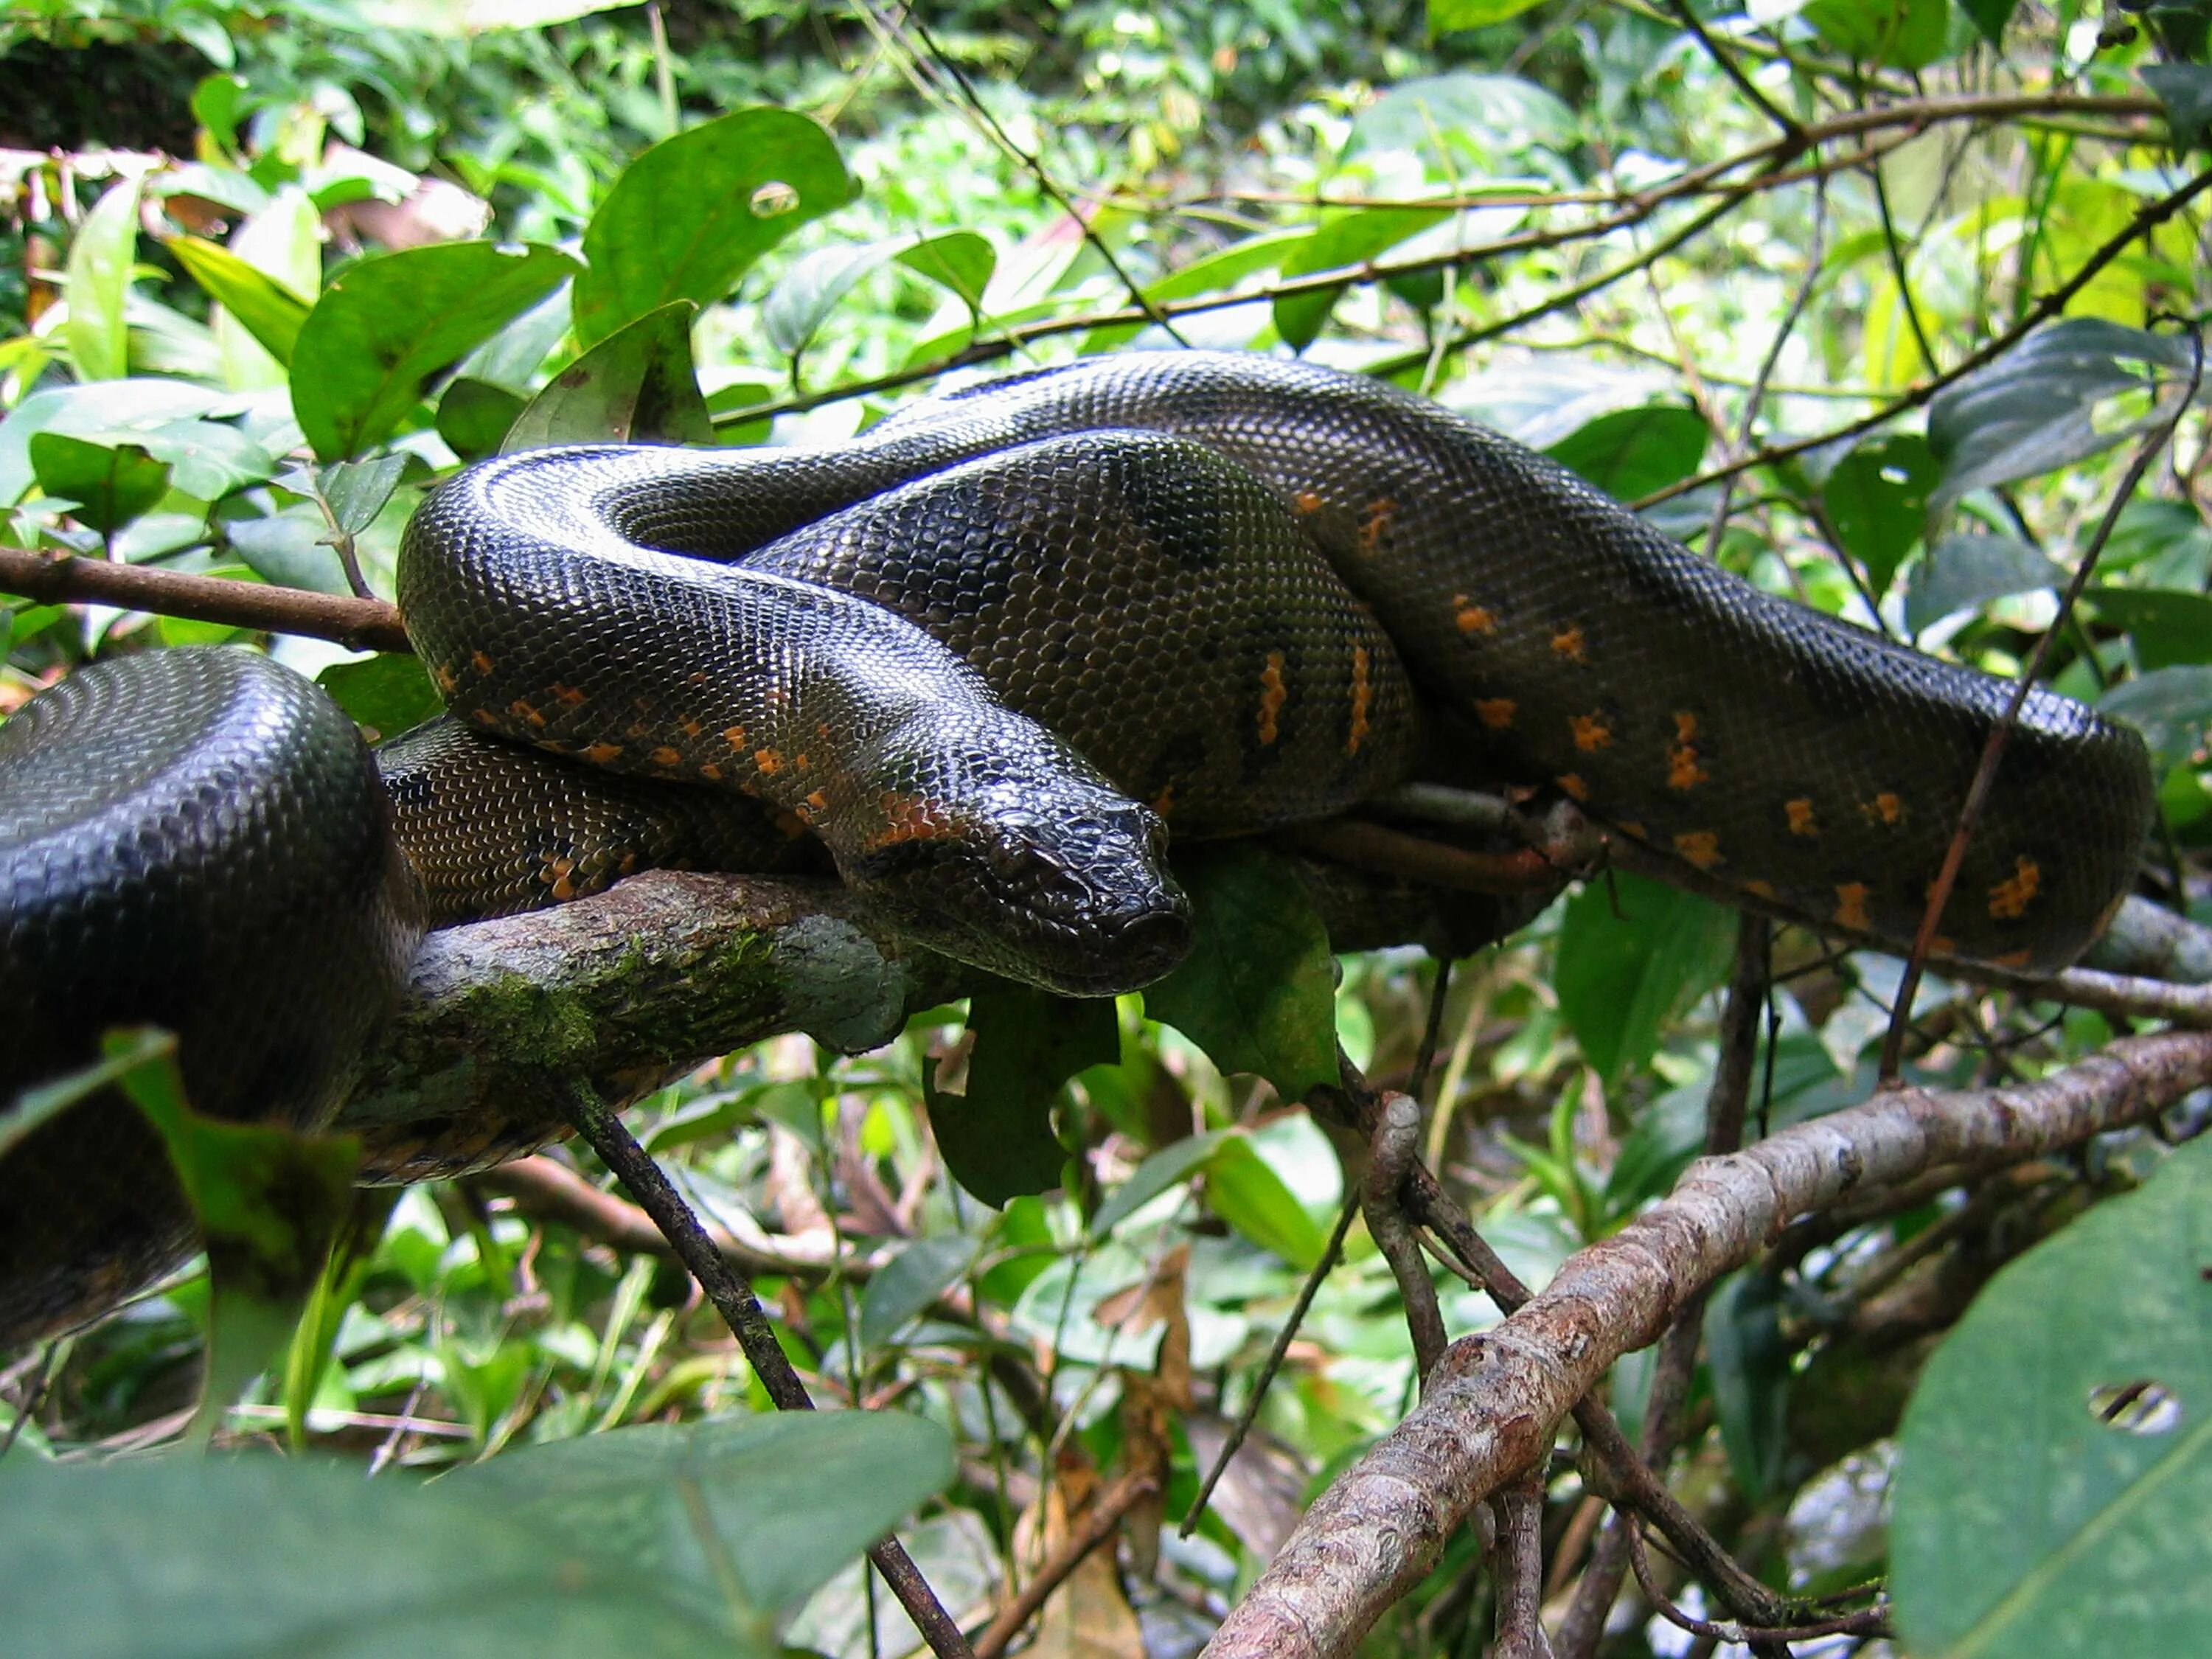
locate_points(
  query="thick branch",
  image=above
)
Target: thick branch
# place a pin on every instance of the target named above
(1494, 1402)
(60, 579)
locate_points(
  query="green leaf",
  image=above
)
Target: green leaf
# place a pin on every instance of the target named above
(1750, 1360)
(2170, 706)
(269, 311)
(268, 1201)
(354, 492)
(1448, 16)
(2066, 392)
(777, 1504)
(997, 1140)
(904, 1288)
(690, 217)
(1906, 34)
(961, 260)
(1877, 499)
(1960, 573)
(102, 258)
(474, 416)
(1246, 1193)
(637, 385)
(44, 1102)
(1211, 273)
(109, 485)
(2169, 627)
(1175, 1161)
(2026, 1522)
(387, 694)
(2186, 89)
(1258, 991)
(1623, 979)
(254, 1558)
(387, 323)
(810, 290)
(1632, 451)
(1349, 239)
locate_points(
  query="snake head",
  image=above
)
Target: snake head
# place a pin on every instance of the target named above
(1062, 881)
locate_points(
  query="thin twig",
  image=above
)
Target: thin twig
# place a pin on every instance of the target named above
(1868, 1621)
(1098, 1525)
(63, 578)
(1791, 128)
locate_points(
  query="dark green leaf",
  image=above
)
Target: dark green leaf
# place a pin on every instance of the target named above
(1962, 572)
(2054, 1465)
(779, 1503)
(267, 310)
(997, 1140)
(387, 694)
(257, 1558)
(1750, 1359)
(1258, 991)
(1349, 239)
(2186, 89)
(355, 491)
(2168, 626)
(110, 486)
(2170, 706)
(690, 217)
(961, 260)
(475, 416)
(1908, 33)
(145, 1048)
(1622, 979)
(904, 1288)
(1990, 16)
(636, 385)
(387, 323)
(1632, 451)
(2069, 390)
(1877, 498)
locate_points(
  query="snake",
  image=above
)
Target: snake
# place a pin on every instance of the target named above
(989, 659)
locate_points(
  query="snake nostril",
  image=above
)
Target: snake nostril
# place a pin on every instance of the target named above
(1160, 939)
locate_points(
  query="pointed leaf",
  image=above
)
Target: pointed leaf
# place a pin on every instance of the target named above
(1877, 498)
(904, 1288)
(1623, 979)
(1349, 239)
(961, 260)
(1962, 572)
(996, 1139)
(1633, 452)
(97, 284)
(110, 486)
(269, 311)
(637, 385)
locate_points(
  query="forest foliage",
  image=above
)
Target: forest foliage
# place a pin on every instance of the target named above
(1873, 302)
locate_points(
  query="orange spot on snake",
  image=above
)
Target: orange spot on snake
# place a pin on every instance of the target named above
(1761, 889)
(692, 728)
(1592, 731)
(599, 754)
(665, 756)
(793, 826)
(1472, 618)
(1683, 772)
(1163, 803)
(2010, 897)
(1305, 501)
(819, 801)
(568, 696)
(1631, 827)
(1362, 693)
(1801, 821)
(768, 761)
(484, 717)
(446, 678)
(1685, 727)
(910, 818)
(1851, 906)
(1376, 524)
(561, 886)
(1272, 692)
(2019, 958)
(522, 710)
(482, 663)
(1572, 785)
(1496, 713)
(637, 729)
(734, 736)
(711, 772)
(1568, 641)
(1885, 808)
(1700, 847)
(802, 760)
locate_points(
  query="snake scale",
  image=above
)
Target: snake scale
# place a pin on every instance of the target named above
(990, 654)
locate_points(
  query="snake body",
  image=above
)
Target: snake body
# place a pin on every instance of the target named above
(990, 655)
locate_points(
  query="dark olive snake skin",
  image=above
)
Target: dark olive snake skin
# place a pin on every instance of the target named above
(988, 654)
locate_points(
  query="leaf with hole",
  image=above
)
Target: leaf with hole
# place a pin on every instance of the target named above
(1632, 451)
(109, 485)
(996, 1139)
(387, 323)
(691, 216)
(1876, 497)
(636, 385)
(2054, 1465)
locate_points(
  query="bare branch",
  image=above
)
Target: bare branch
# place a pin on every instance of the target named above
(63, 578)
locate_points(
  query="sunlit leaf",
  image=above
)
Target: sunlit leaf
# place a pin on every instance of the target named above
(1448, 16)
(102, 258)
(637, 385)
(110, 486)
(1348, 239)
(1907, 34)
(269, 311)
(387, 694)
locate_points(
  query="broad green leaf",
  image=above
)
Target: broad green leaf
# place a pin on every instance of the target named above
(1173, 1163)
(258, 1557)
(1244, 1192)
(1623, 979)
(1962, 572)
(102, 258)
(268, 310)
(1632, 451)
(1906, 34)
(960, 260)
(475, 416)
(1877, 498)
(904, 1288)
(690, 217)
(2170, 706)
(996, 1139)
(2168, 626)
(779, 1503)
(1991, 17)
(387, 323)
(354, 492)
(111, 486)
(1473, 117)
(637, 385)
(268, 1200)
(1257, 992)
(2066, 392)
(2186, 89)
(2055, 1467)
(1349, 239)
(801, 301)
(387, 694)
(1448, 16)
(1750, 1360)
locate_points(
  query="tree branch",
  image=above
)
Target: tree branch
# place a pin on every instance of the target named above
(63, 578)
(1494, 1402)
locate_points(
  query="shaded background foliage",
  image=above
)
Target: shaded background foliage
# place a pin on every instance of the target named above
(1210, 153)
